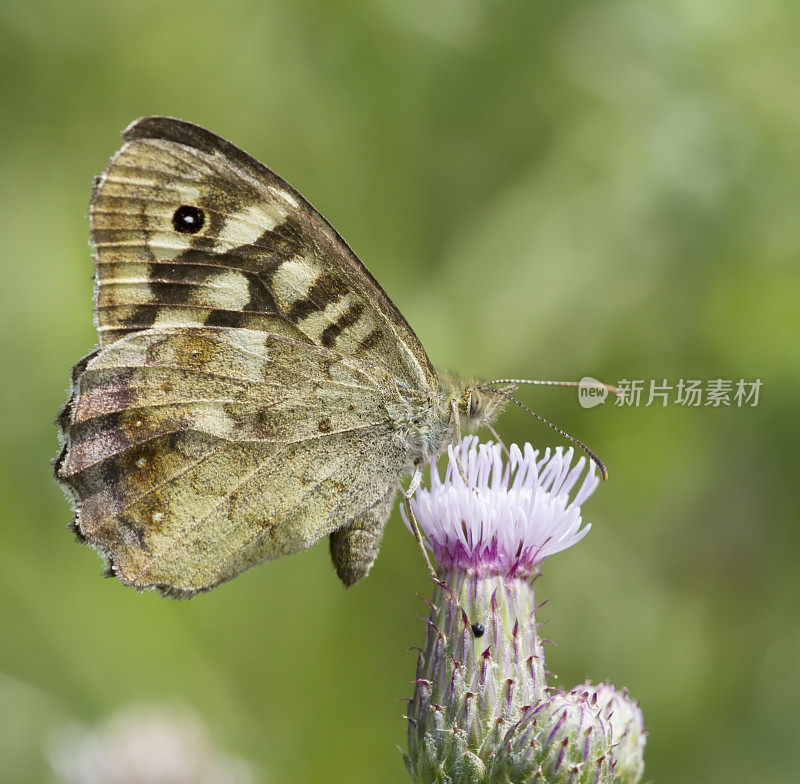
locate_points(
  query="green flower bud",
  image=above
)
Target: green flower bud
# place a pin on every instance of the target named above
(628, 734)
(563, 740)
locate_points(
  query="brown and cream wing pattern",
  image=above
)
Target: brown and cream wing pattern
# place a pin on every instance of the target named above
(188, 230)
(195, 453)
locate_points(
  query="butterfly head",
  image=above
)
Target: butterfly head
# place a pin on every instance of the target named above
(479, 406)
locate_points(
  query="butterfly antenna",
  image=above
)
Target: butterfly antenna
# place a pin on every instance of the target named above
(591, 455)
(597, 384)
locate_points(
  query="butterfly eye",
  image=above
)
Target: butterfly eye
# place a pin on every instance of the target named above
(188, 220)
(478, 629)
(475, 405)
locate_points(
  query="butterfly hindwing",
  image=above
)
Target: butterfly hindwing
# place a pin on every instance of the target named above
(194, 453)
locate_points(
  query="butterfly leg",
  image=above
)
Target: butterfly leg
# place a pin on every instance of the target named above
(499, 441)
(354, 546)
(457, 420)
(407, 495)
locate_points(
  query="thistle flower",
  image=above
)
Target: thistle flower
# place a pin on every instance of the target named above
(511, 516)
(481, 710)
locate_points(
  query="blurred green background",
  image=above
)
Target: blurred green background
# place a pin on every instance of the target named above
(545, 189)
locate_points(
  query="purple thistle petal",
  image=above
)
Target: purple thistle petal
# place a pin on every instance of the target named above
(511, 516)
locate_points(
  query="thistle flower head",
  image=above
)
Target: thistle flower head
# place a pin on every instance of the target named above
(481, 711)
(511, 515)
(482, 668)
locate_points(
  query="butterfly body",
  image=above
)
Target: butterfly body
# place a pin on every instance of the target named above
(255, 389)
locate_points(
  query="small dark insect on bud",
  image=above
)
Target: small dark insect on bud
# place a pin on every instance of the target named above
(188, 220)
(478, 629)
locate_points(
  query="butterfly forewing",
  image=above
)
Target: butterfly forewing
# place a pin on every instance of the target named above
(255, 255)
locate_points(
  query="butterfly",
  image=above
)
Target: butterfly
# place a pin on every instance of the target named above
(254, 389)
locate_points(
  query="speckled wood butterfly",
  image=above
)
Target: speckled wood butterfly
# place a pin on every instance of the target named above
(254, 390)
